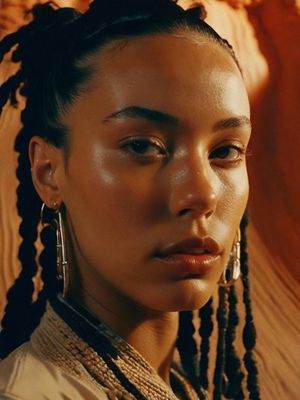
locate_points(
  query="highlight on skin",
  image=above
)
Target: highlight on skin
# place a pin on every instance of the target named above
(79, 45)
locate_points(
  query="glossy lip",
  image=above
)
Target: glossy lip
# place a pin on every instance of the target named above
(190, 265)
(184, 259)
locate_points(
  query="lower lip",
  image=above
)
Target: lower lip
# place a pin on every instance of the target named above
(190, 265)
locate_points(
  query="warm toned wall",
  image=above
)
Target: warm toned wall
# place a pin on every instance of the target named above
(266, 37)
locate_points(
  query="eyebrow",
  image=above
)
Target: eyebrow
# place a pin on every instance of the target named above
(160, 117)
(144, 113)
(240, 121)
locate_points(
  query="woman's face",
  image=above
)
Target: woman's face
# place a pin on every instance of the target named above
(156, 184)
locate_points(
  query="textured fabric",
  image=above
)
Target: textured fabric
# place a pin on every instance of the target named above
(24, 375)
(73, 356)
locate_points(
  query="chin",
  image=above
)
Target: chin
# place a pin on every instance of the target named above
(191, 304)
(191, 294)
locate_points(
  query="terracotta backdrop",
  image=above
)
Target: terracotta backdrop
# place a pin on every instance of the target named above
(266, 38)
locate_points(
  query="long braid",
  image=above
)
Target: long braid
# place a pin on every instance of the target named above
(233, 370)
(47, 261)
(9, 89)
(16, 323)
(222, 318)
(187, 347)
(7, 43)
(21, 316)
(205, 331)
(249, 332)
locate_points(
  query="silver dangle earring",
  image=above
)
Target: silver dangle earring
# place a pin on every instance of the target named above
(233, 269)
(61, 254)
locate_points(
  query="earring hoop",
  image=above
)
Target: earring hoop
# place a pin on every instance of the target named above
(232, 272)
(62, 265)
(61, 260)
(46, 215)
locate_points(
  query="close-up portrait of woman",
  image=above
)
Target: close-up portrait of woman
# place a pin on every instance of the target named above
(131, 208)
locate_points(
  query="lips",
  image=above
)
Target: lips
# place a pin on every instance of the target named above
(192, 246)
(191, 257)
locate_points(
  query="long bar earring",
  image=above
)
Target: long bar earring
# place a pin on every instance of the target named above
(61, 260)
(233, 269)
(62, 264)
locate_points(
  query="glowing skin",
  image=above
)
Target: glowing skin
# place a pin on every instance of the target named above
(138, 182)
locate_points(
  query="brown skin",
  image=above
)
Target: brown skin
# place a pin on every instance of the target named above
(121, 208)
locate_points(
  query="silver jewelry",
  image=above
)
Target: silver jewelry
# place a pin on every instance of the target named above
(233, 269)
(62, 264)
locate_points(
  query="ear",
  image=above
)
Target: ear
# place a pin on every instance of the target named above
(46, 161)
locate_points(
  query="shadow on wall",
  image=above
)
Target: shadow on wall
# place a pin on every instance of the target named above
(265, 35)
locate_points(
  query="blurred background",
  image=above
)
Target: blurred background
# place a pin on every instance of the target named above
(265, 35)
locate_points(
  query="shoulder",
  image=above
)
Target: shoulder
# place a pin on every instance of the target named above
(25, 376)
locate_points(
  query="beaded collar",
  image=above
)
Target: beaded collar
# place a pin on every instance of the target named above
(105, 357)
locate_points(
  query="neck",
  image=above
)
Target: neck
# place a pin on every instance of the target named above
(152, 334)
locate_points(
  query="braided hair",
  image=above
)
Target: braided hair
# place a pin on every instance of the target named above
(69, 37)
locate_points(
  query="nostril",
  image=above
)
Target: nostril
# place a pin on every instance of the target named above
(209, 213)
(184, 212)
(194, 199)
(187, 211)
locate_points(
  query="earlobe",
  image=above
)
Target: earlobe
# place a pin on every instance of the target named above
(44, 160)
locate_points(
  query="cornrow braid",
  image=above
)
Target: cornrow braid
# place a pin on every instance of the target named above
(222, 318)
(249, 332)
(205, 331)
(233, 370)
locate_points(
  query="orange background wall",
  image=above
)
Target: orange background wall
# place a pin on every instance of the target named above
(266, 37)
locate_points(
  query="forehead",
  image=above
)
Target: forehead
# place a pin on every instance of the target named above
(168, 72)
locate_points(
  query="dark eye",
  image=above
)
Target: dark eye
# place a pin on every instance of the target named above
(145, 147)
(230, 152)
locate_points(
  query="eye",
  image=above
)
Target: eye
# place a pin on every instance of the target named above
(231, 153)
(145, 147)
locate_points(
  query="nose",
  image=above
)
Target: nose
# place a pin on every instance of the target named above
(195, 191)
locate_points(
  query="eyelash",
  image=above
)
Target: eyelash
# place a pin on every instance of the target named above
(138, 143)
(135, 145)
(240, 153)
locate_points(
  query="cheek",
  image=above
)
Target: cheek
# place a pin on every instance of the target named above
(105, 197)
(235, 192)
(231, 206)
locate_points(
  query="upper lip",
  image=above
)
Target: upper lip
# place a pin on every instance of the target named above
(192, 246)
